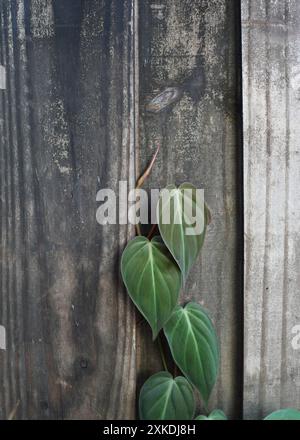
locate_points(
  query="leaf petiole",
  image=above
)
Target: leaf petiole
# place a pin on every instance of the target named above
(162, 354)
(151, 232)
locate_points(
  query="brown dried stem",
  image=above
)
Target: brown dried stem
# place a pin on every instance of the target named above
(142, 179)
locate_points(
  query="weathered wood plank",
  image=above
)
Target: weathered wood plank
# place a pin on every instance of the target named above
(2, 78)
(67, 129)
(182, 42)
(271, 44)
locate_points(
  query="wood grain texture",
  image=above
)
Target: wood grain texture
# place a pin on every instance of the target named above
(67, 129)
(194, 47)
(271, 78)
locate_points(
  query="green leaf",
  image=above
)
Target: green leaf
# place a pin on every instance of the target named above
(217, 414)
(284, 414)
(152, 279)
(175, 211)
(194, 346)
(165, 398)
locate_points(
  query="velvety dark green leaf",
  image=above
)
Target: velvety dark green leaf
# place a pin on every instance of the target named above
(217, 414)
(164, 398)
(194, 346)
(284, 414)
(152, 279)
(175, 213)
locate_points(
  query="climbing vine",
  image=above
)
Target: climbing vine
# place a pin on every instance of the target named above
(154, 269)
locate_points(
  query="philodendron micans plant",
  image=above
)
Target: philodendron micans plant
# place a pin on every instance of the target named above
(154, 270)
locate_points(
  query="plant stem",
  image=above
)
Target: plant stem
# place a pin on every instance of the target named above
(153, 227)
(161, 350)
(175, 370)
(142, 179)
(205, 409)
(144, 176)
(138, 229)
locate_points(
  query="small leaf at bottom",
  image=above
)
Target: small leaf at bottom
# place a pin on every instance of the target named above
(284, 414)
(164, 398)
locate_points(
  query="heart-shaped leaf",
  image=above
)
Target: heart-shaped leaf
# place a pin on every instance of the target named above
(182, 217)
(165, 398)
(284, 414)
(152, 279)
(217, 414)
(194, 346)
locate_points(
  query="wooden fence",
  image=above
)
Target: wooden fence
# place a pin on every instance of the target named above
(76, 77)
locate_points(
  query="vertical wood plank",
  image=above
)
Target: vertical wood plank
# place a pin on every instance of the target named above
(2, 338)
(68, 128)
(194, 47)
(2, 78)
(271, 43)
